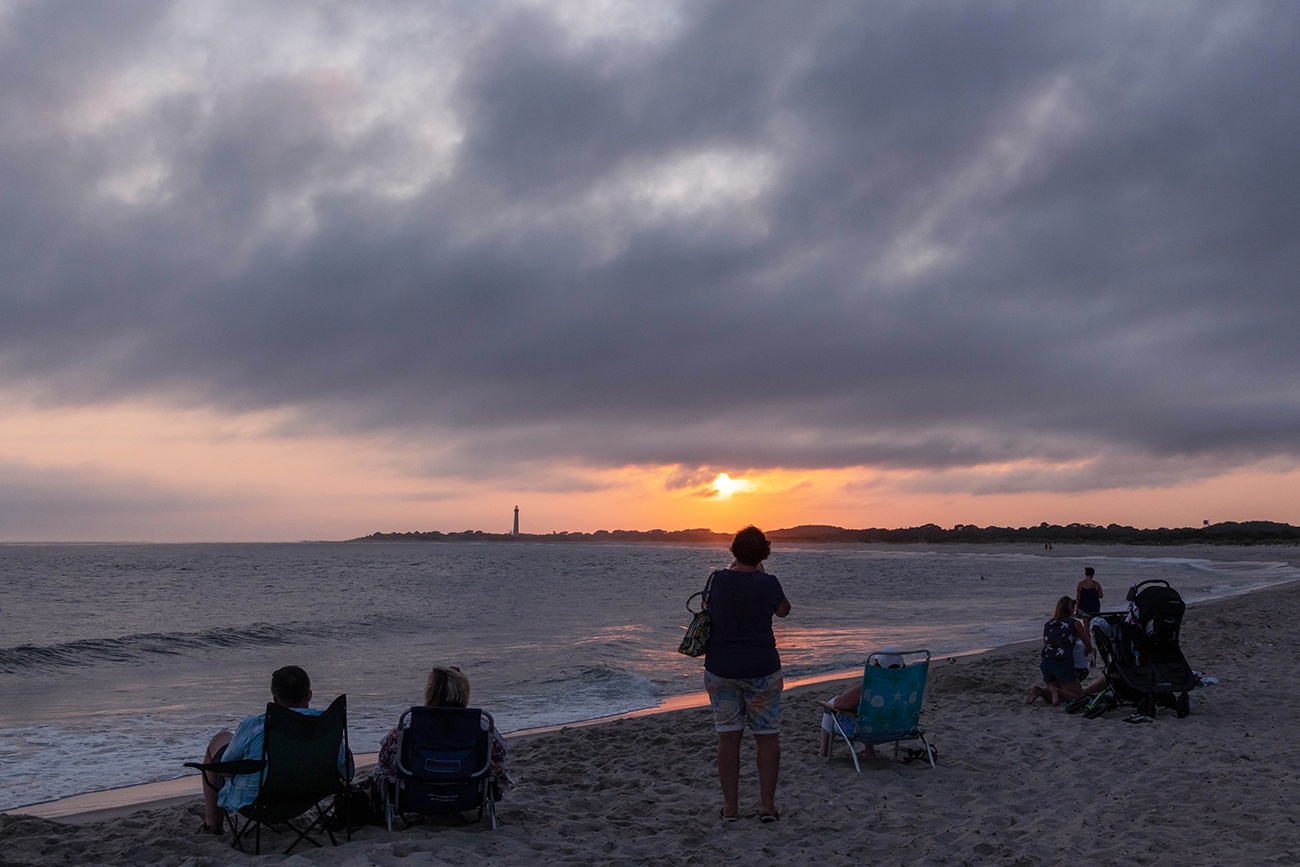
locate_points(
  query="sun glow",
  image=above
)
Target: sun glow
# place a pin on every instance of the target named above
(724, 485)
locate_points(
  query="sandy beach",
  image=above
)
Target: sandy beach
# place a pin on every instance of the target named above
(1015, 784)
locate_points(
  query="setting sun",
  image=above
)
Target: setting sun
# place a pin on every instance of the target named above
(725, 485)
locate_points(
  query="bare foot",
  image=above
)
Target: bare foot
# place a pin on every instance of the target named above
(1034, 695)
(1056, 695)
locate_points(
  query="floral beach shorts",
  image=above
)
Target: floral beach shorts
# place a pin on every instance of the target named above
(748, 702)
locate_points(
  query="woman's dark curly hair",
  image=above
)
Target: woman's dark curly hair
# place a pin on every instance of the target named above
(750, 546)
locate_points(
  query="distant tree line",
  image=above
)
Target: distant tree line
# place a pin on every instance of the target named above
(1226, 533)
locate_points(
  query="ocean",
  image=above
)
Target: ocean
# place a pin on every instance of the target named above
(118, 662)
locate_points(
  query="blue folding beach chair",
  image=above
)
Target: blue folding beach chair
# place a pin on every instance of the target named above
(890, 707)
(444, 764)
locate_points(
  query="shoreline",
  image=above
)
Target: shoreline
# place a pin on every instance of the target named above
(1210, 788)
(122, 800)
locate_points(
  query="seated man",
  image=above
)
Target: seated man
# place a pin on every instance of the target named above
(291, 688)
(845, 705)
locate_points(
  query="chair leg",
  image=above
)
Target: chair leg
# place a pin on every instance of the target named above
(239, 832)
(232, 819)
(489, 804)
(322, 820)
(323, 817)
(929, 752)
(338, 810)
(852, 752)
(334, 810)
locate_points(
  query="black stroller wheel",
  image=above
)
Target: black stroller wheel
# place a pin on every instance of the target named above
(1182, 708)
(1101, 703)
(1146, 706)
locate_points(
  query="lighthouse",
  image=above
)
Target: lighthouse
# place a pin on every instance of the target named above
(516, 530)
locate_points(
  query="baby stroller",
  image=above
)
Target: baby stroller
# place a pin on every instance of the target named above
(1140, 654)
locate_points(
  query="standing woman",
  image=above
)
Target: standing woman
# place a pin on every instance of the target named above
(1088, 594)
(742, 670)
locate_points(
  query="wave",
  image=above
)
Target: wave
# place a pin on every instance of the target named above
(602, 682)
(580, 693)
(27, 658)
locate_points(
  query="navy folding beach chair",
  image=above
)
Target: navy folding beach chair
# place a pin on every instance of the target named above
(889, 710)
(300, 771)
(444, 764)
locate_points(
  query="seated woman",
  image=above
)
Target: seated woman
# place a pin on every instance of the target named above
(845, 705)
(445, 687)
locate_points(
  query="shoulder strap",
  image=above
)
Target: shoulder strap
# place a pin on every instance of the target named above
(702, 594)
(708, 584)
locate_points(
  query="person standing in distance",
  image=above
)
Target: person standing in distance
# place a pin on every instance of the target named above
(1087, 595)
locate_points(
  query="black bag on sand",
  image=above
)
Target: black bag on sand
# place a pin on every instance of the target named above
(354, 809)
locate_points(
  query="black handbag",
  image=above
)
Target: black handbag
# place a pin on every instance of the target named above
(696, 640)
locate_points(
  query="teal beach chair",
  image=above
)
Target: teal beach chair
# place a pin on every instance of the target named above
(889, 710)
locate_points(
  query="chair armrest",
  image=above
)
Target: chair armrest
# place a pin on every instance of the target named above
(229, 769)
(833, 709)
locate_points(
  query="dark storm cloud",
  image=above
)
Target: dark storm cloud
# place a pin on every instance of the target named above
(916, 236)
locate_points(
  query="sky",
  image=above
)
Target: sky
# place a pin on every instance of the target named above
(291, 270)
